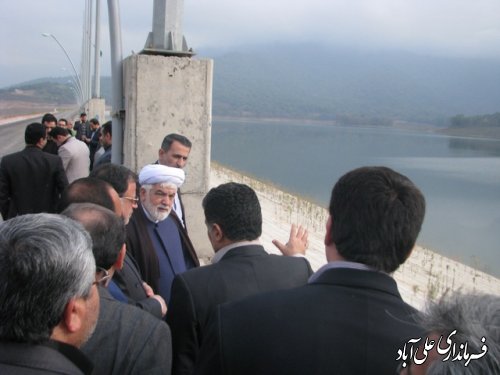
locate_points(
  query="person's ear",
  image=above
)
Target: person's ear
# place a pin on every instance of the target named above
(329, 229)
(217, 232)
(142, 194)
(74, 314)
(121, 257)
(41, 141)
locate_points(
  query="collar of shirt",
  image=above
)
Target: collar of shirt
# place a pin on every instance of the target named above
(224, 250)
(66, 141)
(339, 264)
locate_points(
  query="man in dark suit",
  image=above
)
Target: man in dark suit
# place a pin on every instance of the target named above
(31, 181)
(350, 318)
(50, 122)
(241, 267)
(94, 139)
(174, 152)
(106, 142)
(126, 340)
(82, 128)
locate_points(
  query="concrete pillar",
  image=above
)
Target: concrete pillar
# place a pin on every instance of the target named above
(96, 108)
(166, 94)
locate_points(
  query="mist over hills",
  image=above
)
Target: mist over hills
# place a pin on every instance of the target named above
(342, 84)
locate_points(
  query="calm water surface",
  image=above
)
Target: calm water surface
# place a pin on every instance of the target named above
(459, 177)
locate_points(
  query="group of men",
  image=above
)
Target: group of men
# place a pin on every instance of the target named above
(100, 275)
(77, 160)
(32, 180)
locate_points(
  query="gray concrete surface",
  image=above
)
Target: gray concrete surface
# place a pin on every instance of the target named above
(171, 95)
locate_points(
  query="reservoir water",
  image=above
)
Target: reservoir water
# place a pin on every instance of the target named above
(460, 177)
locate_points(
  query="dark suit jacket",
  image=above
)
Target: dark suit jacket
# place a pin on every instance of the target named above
(51, 357)
(51, 147)
(128, 340)
(82, 129)
(242, 272)
(129, 280)
(179, 195)
(94, 145)
(103, 159)
(31, 181)
(346, 322)
(141, 248)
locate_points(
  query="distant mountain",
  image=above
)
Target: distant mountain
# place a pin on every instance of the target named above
(352, 86)
(55, 90)
(303, 81)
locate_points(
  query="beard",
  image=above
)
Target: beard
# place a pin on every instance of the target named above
(156, 213)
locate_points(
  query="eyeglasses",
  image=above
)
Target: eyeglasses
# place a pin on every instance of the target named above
(102, 277)
(132, 199)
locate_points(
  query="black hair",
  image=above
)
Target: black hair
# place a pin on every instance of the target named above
(106, 128)
(236, 209)
(377, 214)
(59, 131)
(87, 190)
(34, 132)
(49, 117)
(170, 138)
(116, 175)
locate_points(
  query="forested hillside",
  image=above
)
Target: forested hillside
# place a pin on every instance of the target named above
(353, 87)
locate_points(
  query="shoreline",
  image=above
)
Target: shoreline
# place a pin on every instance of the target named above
(421, 128)
(425, 275)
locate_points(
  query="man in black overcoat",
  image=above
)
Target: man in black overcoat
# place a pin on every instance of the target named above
(31, 181)
(241, 267)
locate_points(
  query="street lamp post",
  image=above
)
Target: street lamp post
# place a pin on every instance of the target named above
(74, 87)
(77, 77)
(75, 92)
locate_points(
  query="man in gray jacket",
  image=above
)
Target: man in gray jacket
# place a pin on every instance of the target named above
(73, 153)
(126, 340)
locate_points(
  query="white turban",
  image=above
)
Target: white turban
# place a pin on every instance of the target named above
(160, 174)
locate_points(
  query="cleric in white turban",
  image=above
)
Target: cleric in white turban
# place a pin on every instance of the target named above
(161, 174)
(155, 237)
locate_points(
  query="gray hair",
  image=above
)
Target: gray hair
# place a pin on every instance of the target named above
(473, 316)
(45, 260)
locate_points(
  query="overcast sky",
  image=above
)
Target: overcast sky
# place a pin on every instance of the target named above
(469, 28)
